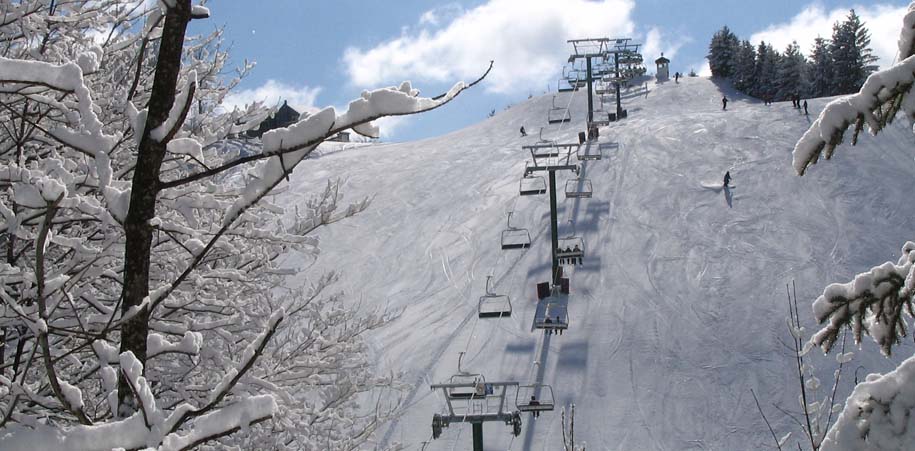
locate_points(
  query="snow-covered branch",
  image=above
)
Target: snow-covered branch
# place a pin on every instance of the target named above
(884, 94)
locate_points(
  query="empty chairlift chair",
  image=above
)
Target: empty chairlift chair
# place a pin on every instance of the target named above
(494, 305)
(535, 398)
(558, 114)
(532, 185)
(514, 237)
(578, 187)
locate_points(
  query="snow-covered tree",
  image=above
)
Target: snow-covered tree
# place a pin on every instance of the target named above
(820, 71)
(745, 67)
(765, 74)
(141, 299)
(879, 302)
(852, 58)
(722, 53)
(791, 72)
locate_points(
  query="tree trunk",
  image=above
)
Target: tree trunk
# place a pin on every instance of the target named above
(145, 190)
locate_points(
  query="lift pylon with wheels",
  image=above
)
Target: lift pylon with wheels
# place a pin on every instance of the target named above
(471, 399)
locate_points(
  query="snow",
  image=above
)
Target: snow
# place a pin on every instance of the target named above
(159, 133)
(679, 308)
(880, 416)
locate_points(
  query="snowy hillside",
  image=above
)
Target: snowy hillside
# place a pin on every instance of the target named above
(679, 308)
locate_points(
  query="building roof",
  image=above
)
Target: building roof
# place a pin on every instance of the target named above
(661, 60)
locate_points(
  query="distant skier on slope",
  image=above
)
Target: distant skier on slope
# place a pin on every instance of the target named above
(727, 178)
(523, 132)
(805, 108)
(724, 103)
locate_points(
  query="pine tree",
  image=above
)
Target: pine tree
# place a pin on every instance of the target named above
(866, 58)
(722, 53)
(820, 69)
(852, 58)
(765, 72)
(745, 66)
(791, 72)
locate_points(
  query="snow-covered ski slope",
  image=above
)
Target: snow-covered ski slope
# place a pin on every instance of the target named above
(679, 308)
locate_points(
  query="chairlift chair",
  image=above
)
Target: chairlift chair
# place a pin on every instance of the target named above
(476, 383)
(577, 188)
(534, 398)
(555, 317)
(532, 185)
(558, 114)
(494, 305)
(571, 245)
(514, 237)
(589, 152)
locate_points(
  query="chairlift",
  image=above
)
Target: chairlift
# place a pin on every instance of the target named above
(578, 188)
(589, 151)
(514, 237)
(570, 246)
(494, 305)
(534, 398)
(554, 316)
(558, 114)
(475, 384)
(532, 185)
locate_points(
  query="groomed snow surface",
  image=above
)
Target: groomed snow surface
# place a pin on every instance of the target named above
(679, 307)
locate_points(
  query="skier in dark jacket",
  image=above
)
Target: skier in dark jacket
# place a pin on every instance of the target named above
(727, 178)
(523, 133)
(805, 108)
(724, 103)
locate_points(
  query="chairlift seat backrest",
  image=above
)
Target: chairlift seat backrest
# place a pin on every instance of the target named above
(532, 185)
(535, 398)
(578, 188)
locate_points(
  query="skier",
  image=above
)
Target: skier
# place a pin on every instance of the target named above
(559, 321)
(534, 402)
(805, 108)
(724, 103)
(523, 133)
(677, 77)
(548, 322)
(727, 178)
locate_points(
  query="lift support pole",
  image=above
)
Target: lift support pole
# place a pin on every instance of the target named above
(554, 229)
(477, 436)
(590, 93)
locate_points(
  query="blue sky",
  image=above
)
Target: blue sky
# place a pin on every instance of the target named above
(320, 53)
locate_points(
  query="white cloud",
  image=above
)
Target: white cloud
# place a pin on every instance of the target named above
(526, 38)
(272, 93)
(883, 21)
(657, 43)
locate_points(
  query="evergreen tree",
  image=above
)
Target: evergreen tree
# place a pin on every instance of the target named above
(722, 53)
(745, 66)
(791, 72)
(820, 69)
(852, 58)
(866, 58)
(765, 72)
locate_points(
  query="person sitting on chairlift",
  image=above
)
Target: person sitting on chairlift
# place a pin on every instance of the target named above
(534, 402)
(559, 321)
(578, 251)
(548, 321)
